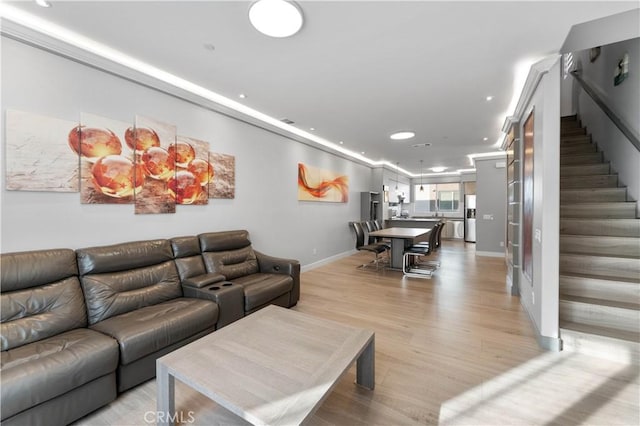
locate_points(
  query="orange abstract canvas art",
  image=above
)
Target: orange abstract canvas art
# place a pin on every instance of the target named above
(316, 184)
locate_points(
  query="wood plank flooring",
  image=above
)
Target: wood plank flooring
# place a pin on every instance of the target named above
(457, 349)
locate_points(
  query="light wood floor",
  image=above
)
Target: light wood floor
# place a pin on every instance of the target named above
(456, 349)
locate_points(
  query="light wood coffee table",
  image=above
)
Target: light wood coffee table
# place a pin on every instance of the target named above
(273, 367)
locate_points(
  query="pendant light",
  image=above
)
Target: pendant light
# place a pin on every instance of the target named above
(421, 186)
(397, 174)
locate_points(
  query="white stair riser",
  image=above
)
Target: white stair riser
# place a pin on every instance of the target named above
(593, 195)
(610, 227)
(600, 266)
(601, 316)
(585, 170)
(600, 246)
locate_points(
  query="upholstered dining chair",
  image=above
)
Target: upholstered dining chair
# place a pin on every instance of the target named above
(374, 248)
(412, 263)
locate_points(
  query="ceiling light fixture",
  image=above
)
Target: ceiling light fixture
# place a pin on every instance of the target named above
(485, 139)
(43, 3)
(400, 136)
(276, 18)
(421, 187)
(489, 98)
(438, 169)
(312, 128)
(242, 96)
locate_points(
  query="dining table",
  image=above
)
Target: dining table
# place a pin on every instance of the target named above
(400, 239)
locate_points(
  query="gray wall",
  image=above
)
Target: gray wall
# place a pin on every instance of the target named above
(623, 99)
(491, 201)
(266, 170)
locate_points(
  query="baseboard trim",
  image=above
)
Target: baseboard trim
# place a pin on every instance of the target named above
(330, 259)
(549, 343)
(490, 253)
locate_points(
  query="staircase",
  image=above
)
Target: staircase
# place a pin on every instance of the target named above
(599, 253)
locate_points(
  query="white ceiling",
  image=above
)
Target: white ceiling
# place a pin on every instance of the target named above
(358, 70)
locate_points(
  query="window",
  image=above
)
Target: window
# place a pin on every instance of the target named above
(436, 198)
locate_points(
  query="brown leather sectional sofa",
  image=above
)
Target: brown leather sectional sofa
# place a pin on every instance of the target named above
(77, 327)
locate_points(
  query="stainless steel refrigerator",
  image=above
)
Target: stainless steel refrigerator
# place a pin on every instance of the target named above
(470, 218)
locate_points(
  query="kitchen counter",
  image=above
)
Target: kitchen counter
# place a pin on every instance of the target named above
(450, 231)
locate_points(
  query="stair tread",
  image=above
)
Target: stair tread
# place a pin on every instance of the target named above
(629, 281)
(612, 333)
(602, 302)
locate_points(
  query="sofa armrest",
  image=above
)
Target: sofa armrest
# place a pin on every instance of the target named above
(277, 265)
(203, 280)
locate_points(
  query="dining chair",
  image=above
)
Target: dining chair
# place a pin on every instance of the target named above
(375, 248)
(412, 263)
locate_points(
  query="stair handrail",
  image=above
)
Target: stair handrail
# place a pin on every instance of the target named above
(619, 122)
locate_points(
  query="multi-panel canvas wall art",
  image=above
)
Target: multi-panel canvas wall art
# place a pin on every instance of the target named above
(37, 155)
(107, 164)
(112, 162)
(223, 184)
(316, 184)
(193, 172)
(156, 149)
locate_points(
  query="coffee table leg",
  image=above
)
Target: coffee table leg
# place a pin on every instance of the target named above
(365, 366)
(166, 403)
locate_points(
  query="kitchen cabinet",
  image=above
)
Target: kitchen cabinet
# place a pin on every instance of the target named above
(453, 229)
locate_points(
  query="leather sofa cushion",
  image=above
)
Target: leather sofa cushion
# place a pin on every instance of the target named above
(147, 330)
(260, 288)
(40, 371)
(186, 251)
(226, 240)
(185, 246)
(123, 257)
(115, 293)
(190, 267)
(232, 263)
(35, 268)
(37, 313)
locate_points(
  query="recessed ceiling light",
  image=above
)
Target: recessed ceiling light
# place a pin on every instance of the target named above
(242, 96)
(485, 139)
(488, 98)
(341, 142)
(400, 136)
(438, 169)
(43, 3)
(312, 128)
(362, 152)
(276, 18)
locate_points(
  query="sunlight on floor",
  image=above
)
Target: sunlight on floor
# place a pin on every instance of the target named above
(530, 393)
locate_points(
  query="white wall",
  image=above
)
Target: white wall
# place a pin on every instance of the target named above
(491, 206)
(623, 99)
(540, 297)
(266, 170)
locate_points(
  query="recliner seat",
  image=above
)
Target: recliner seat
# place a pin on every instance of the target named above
(133, 294)
(50, 361)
